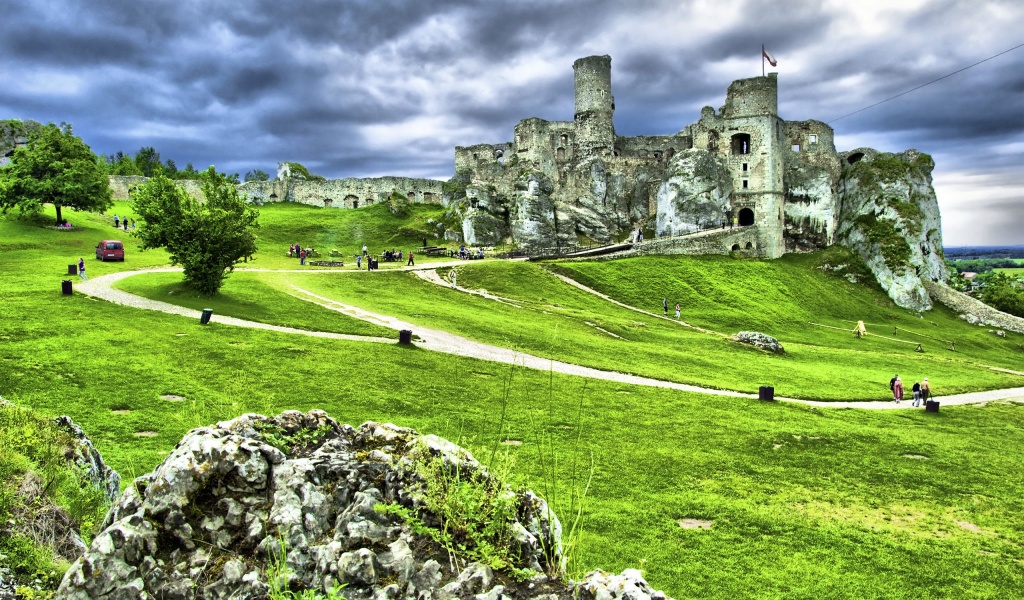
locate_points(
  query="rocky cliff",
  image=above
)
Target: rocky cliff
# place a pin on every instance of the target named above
(889, 215)
(299, 504)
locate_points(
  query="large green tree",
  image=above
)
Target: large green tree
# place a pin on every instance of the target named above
(58, 168)
(207, 238)
(1004, 293)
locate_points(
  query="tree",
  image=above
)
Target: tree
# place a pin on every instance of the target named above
(257, 175)
(121, 164)
(148, 161)
(206, 238)
(1002, 293)
(57, 168)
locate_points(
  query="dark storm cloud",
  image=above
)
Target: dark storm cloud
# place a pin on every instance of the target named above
(371, 87)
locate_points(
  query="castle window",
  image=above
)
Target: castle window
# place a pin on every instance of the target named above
(746, 217)
(853, 158)
(813, 138)
(657, 155)
(750, 246)
(744, 167)
(796, 147)
(473, 202)
(327, 202)
(745, 184)
(741, 143)
(735, 247)
(565, 139)
(561, 153)
(476, 156)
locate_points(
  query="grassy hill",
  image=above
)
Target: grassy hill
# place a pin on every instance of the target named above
(803, 502)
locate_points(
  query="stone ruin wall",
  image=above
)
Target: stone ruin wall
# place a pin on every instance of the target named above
(332, 193)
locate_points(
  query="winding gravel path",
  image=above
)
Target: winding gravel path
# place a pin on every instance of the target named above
(448, 343)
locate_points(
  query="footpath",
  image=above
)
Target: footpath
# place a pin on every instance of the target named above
(442, 341)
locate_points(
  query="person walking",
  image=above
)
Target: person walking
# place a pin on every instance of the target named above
(302, 257)
(411, 263)
(117, 222)
(451, 276)
(664, 304)
(897, 390)
(81, 269)
(364, 249)
(926, 391)
(359, 262)
(917, 394)
(677, 310)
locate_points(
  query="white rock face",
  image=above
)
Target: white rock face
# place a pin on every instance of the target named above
(890, 217)
(695, 192)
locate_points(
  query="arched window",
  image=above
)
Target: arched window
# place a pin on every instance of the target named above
(746, 217)
(741, 143)
(750, 246)
(350, 200)
(853, 158)
(735, 247)
(560, 154)
(327, 202)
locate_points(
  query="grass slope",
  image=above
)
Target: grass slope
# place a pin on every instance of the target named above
(805, 503)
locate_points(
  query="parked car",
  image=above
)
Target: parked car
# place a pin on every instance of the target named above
(110, 250)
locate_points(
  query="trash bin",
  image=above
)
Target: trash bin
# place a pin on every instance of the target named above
(405, 336)
(72, 269)
(205, 318)
(931, 406)
(65, 287)
(766, 392)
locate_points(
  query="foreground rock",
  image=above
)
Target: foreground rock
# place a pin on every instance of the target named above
(759, 340)
(299, 502)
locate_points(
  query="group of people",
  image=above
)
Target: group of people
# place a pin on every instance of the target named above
(297, 251)
(122, 222)
(466, 253)
(922, 390)
(664, 304)
(636, 236)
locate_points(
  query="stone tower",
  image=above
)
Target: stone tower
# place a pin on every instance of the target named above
(595, 105)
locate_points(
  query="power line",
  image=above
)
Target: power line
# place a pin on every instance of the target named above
(927, 84)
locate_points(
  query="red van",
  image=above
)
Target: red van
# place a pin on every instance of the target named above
(110, 250)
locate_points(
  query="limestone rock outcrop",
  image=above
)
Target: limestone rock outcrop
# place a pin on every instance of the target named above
(889, 215)
(695, 192)
(301, 503)
(85, 455)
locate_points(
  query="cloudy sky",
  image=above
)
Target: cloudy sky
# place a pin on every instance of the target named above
(389, 87)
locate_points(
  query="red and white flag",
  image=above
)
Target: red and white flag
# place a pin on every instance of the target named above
(768, 56)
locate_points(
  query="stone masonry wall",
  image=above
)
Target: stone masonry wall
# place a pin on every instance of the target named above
(973, 310)
(332, 193)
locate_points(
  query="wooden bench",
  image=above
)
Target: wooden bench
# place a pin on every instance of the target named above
(435, 251)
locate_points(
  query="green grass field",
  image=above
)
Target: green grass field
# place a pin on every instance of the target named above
(804, 502)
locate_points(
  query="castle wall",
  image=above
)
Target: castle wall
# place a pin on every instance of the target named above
(332, 193)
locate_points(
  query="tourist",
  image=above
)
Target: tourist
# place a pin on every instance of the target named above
(917, 394)
(359, 262)
(81, 269)
(664, 304)
(302, 257)
(424, 242)
(133, 224)
(677, 310)
(926, 391)
(451, 276)
(364, 249)
(124, 223)
(411, 262)
(117, 222)
(897, 390)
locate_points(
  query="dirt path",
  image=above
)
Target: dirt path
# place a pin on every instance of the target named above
(448, 343)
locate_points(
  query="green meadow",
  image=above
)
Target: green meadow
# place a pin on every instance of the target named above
(793, 501)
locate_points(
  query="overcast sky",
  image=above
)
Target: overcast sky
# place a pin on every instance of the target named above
(389, 87)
